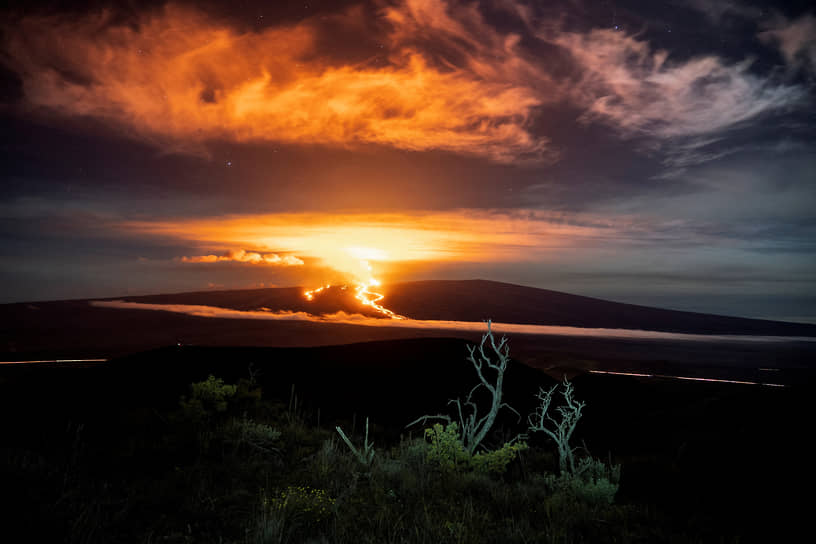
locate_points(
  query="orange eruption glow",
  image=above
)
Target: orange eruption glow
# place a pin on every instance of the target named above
(370, 298)
(321, 241)
(362, 288)
(241, 256)
(410, 236)
(310, 294)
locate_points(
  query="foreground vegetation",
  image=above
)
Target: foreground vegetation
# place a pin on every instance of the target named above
(225, 462)
(250, 470)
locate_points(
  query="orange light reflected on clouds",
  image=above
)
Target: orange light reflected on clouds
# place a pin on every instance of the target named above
(353, 242)
(361, 248)
(241, 256)
(180, 78)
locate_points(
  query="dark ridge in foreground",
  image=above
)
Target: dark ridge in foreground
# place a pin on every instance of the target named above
(105, 444)
(391, 381)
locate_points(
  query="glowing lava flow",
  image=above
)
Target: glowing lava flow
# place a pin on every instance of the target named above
(362, 293)
(310, 294)
(370, 298)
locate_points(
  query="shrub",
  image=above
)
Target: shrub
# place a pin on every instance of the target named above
(496, 462)
(258, 436)
(207, 398)
(474, 428)
(447, 451)
(247, 394)
(589, 479)
(594, 482)
(293, 514)
(306, 503)
(599, 481)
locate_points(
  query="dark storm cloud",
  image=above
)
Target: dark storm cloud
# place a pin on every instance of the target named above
(754, 207)
(796, 39)
(717, 10)
(34, 227)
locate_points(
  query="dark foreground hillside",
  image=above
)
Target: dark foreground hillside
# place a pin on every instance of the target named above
(104, 454)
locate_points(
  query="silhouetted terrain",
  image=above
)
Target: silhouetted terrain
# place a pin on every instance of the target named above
(100, 451)
(75, 329)
(475, 300)
(701, 461)
(507, 303)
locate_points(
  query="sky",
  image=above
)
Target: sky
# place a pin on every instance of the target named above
(652, 152)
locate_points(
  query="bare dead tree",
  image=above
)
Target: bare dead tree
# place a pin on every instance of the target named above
(560, 431)
(474, 428)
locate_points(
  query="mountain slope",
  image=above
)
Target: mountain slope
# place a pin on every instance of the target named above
(476, 300)
(467, 300)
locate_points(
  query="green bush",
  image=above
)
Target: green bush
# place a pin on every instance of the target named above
(447, 451)
(496, 461)
(594, 482)
(307, 503)
(207, 398)
(293, 514)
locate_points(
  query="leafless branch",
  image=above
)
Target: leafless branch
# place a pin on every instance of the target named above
(474, 428)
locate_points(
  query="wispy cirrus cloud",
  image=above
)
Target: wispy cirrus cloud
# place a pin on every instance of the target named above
(637, 90)
(716, 10)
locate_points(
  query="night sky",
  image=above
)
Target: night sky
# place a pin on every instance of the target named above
(654, 152)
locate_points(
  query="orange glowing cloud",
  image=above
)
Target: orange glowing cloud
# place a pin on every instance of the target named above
(179, 78)
(242, 256)
(353, 242)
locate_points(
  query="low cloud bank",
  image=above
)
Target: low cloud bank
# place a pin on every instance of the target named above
(343, 318)
(242, 256)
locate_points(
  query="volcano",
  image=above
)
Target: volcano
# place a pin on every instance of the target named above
(77, 328)
(477, 300)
